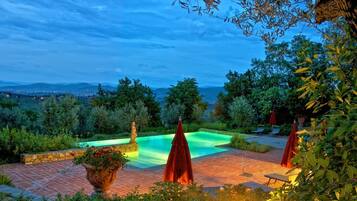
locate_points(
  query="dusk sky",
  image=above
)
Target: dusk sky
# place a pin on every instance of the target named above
(103, 41)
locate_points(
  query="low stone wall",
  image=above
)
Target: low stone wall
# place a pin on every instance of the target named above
(69, 154)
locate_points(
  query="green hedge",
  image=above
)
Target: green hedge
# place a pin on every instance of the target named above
(14, 142)
(239, 142)
(285, 129)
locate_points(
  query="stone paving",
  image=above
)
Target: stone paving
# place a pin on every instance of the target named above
(277, 142)
(63, 177)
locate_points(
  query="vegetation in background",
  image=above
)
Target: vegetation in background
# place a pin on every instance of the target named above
(185, 95)
(239, 142)
(14, 142)
(271, 83)
(101, 120)
(171, 113)
(241, 112)
(129, 93)
(60, 116)
(285, 129)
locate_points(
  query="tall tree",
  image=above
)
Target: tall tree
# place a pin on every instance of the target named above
(60, 116)
(49, 115)
(129, 92)
(237, 85)
(67, 117)
(133, 91)
(185, 93)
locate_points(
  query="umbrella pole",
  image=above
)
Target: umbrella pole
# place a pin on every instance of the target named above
(245, 174)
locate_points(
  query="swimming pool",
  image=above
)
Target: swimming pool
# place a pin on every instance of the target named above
(154, 150)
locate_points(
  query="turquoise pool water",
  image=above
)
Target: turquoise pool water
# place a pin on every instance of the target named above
(154, 150)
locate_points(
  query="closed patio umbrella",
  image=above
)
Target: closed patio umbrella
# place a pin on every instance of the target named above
(178, 167)
(290, 148)
(272, 120)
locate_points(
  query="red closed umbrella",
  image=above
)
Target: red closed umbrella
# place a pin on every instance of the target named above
(178, 167)
(272, 120)
(290, 148)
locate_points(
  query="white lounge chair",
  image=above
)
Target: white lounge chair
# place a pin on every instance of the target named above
(275, 131)
(259, 130)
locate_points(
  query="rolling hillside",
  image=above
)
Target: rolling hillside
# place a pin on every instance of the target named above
(86, 89)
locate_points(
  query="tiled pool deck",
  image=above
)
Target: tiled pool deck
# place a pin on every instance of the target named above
(225, 168)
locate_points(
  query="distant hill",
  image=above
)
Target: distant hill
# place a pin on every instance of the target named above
(78, 89)
(86, 89)
(4, 83)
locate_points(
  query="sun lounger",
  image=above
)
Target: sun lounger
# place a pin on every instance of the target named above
(275, 131)
(287, 178)
(258, 130)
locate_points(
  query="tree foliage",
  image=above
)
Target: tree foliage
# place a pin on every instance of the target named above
(60, 117)
(271, 83)
(186, 93)
(170, 114)
(129, 92)
(241, 112)
(265, 18)
(98, 120)
(328, 152)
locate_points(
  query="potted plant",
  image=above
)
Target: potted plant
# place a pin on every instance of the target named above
(102, 165)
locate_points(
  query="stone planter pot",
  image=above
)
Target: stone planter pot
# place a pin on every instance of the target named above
(101, 179)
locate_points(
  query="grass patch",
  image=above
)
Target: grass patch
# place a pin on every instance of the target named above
(239, 142)
(5, 180)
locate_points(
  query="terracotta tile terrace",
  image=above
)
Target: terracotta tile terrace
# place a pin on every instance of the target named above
(63, 177)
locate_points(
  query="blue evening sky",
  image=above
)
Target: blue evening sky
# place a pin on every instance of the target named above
(104, 40)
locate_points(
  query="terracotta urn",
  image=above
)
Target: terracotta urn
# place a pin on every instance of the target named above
(101, 179)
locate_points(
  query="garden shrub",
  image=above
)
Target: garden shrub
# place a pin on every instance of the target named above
(285, 129)
(239, 142)
(14, 142)
(267, 129)
(244, 129)
(240, 193)
(214, 125)
(5, 180)
(241, 112)
(171, 191)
